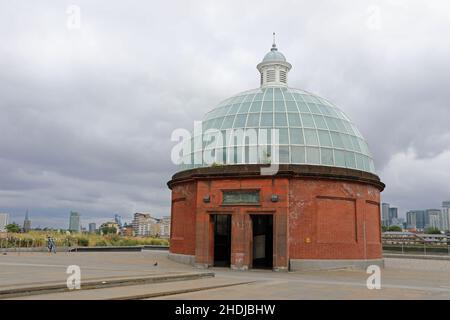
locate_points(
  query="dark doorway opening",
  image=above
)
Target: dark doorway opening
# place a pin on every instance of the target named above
(222, 240)
(262, 241)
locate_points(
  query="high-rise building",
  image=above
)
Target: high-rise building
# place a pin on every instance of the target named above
(393, 214)
(74, 222)
(143, 224)
(118, 220)
(411, 220)
(26, 223)
(385, 214)
(389, 215)
(422, 219)
(445, 216)
(444, 219)
(165, 227)
(433, 218)
(434, 222)
(3, 221)
(92, 227)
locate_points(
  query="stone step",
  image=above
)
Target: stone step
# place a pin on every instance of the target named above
(102, 283)
(139, 292)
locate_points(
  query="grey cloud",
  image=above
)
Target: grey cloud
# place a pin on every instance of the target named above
(86, 115)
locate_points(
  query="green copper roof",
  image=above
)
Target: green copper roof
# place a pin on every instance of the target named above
(311, 129)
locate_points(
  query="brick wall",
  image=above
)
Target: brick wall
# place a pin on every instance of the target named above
(333, 220)
(184, 203)
(313, 219)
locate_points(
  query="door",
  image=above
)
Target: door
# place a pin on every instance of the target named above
(262, 241)
(222, 240)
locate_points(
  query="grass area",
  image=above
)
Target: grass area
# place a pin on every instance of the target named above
(39, 239)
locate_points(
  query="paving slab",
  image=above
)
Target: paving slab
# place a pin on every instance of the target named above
(400, 279)
(27, 269)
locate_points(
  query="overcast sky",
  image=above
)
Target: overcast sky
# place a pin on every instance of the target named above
(86, 113)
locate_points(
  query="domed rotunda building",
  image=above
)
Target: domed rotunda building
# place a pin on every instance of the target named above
(278, 178)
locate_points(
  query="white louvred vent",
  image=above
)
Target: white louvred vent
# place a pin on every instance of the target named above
(283, 76)
(270, 75)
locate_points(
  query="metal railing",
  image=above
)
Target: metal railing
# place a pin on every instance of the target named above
(413, 243)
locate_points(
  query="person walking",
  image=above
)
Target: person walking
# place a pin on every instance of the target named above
(51, 245)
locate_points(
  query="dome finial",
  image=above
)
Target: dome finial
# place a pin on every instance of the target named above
(274, 46)
(274, 67)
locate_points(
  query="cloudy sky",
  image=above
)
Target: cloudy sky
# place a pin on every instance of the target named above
(87, 110)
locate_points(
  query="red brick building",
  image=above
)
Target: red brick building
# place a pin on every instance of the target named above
(319, 209)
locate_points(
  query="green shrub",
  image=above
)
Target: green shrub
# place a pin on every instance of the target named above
(39, 239)
(101, 243)
(432, 230)
(394, 228)
(83, 242)
(128, 242)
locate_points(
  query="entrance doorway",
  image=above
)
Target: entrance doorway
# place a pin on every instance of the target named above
(262, 241)
(222, 240)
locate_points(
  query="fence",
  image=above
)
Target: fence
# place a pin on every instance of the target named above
(412, 243)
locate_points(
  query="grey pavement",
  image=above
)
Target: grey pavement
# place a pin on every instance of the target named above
(36, 268)
(401, 279)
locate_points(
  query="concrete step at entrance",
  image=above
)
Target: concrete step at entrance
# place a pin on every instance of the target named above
(135, 292)
(90, 285)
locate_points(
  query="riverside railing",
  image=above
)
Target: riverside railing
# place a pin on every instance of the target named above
(414, 243)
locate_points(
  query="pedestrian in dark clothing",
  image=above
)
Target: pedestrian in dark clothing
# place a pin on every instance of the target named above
(51, 245)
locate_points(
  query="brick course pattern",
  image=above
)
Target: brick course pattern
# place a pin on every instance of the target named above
(321, 213)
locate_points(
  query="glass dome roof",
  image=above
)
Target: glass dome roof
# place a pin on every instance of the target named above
(311, 130)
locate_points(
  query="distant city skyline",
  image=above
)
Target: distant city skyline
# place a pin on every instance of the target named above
(85, 219)
(101, 143)
(128, 217)
(417, 218)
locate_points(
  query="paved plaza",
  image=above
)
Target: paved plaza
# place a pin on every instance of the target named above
(401, 279)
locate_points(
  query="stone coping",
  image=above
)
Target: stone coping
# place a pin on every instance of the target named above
(285, 170)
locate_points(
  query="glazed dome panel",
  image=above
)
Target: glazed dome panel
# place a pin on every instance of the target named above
(311, 130)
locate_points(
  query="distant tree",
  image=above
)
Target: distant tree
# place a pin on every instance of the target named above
(432, 230)
(384, 228)
(13, 227)
(394, 228)
(108, 230)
